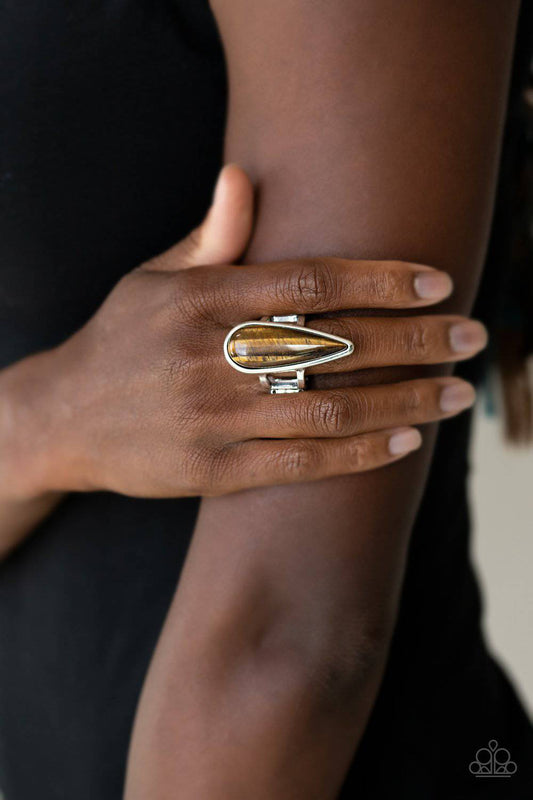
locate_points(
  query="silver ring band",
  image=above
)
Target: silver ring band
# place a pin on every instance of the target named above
(279, 349)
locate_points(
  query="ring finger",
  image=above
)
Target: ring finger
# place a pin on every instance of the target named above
(354, 410)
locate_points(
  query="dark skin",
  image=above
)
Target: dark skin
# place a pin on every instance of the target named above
(371, 128)
(124, 404)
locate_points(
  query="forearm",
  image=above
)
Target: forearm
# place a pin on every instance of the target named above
(400, 162)
(25, 497)
(273, 650)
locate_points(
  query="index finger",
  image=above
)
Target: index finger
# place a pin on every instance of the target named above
(319, 285)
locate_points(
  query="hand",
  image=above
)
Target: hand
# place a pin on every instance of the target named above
(141, 401)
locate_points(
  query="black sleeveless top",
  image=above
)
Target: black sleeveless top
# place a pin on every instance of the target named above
(112, 127)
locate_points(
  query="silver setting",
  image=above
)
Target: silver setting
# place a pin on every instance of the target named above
(285, 385)
(292, 380)
(291, 319)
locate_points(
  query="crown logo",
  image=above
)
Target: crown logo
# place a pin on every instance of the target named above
(493, 762)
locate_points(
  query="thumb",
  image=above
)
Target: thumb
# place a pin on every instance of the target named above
(224, 233)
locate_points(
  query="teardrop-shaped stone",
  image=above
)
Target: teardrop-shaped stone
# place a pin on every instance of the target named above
(262, 346)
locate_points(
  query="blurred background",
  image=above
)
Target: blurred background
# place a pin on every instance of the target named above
(501, 494)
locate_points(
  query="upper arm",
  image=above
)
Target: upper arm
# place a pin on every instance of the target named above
(371, 127)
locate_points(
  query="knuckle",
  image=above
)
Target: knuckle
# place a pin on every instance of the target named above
(297, 460)
(387, 286)
(314, 286)
(410, 401)
(359, 452)
(331, 414)
(417, 341)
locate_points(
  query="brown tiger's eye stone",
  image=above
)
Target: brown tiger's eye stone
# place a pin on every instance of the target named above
(261, 346)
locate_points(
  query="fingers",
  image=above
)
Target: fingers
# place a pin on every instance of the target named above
(393, 341)
(310, 286)
(267, 463)
(354, 410)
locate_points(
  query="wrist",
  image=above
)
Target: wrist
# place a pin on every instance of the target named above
(29, 461)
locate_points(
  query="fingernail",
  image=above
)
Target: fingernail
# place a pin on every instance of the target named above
(433, 285)
(456, 397)
(403, 441)
(467, 336)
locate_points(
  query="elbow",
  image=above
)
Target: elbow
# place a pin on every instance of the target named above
(319, 664)
(331, 665)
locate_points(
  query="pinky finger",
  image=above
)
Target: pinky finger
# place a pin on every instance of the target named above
(264, 462)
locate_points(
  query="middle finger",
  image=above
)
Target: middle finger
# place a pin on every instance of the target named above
(402, 341)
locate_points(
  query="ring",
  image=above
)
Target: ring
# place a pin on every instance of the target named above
(279, 349)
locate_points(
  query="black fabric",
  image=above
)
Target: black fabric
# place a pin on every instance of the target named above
(112, 126)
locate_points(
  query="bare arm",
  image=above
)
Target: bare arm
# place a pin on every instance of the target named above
(24, 501)
(104, 410)
(372, 129)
